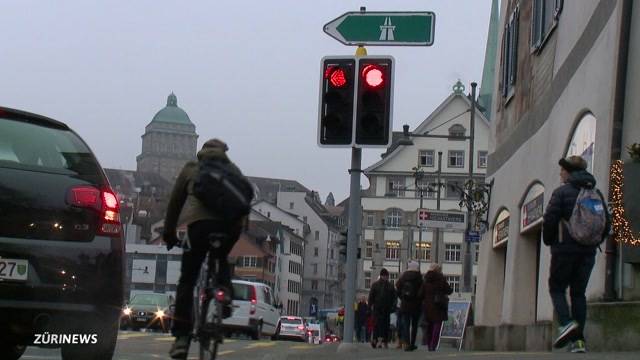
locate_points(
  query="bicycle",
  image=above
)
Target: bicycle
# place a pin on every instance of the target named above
(209, 305)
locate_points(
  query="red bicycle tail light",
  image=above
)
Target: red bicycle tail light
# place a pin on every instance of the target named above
(373, 76)
(220, 295)
(254, 300)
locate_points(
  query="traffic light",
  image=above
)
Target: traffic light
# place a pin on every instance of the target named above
(342, 246)
(335, 123)
(374, 99)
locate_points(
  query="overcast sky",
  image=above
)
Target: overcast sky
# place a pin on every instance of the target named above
(245, 71)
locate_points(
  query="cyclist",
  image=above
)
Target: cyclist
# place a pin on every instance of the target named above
(184, 206)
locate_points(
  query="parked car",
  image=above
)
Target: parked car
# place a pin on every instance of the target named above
(149, 311)
(61, 245)
(254, 312)
(291, 327)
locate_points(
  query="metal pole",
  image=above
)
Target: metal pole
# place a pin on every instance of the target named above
(467, 269)
(355, 214)
(420, 232)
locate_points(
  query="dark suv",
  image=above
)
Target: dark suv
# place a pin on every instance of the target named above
(61, 245)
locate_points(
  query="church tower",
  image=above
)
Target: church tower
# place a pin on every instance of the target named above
(169, 141)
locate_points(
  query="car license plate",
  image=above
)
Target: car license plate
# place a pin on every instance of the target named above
(14, 269)
(141, 319)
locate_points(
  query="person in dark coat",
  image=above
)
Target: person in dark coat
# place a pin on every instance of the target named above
(408, 289)
(362, 313)
(435, 293)
(571, 262)
(382, 300)
(185, 208)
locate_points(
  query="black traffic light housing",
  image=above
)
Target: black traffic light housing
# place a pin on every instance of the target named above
(342, 245)
(374, 101)
(337, 88)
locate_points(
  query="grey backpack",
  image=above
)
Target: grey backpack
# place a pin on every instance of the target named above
(588, 219)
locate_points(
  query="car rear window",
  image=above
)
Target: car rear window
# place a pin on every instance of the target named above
(291, 321)
(40, 148)
(241, 292)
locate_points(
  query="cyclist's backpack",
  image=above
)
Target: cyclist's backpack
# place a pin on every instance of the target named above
(588, 219)
(222, 190)
(409, 291)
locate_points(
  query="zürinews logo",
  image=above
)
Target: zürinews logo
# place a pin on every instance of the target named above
(65, 339)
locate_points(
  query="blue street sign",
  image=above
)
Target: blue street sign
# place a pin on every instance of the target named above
(473, 236)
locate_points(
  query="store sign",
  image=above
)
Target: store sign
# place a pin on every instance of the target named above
(501, 229)
(532, 212)
(437, 219)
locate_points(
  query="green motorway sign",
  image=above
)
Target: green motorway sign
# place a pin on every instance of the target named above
(383, 28)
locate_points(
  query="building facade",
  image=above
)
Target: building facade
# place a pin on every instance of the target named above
(390, 233)
(169, 141)
(560, 90)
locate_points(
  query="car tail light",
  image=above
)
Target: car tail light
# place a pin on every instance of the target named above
(220, 295)
(300, 327)
(104, 202)
(254, 301)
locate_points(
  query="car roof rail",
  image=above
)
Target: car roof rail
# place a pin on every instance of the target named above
(25, 116)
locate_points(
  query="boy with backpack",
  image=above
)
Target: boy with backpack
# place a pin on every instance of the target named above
(576, 222)
(408, 289)
(211, 196)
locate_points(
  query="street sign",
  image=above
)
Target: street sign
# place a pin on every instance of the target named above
(473, 236)
(383, 28)
(448, 220)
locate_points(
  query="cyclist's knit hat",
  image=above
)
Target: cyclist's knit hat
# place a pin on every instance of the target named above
(215, 143)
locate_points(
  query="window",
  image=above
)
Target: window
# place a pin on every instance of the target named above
(545, 17)
(395, 187)
(456, 158)
(316, 251)
(425, 158)
(457, 132)
(510, 54)
(429, 189)
(368, 250)
(293, 287)
(452, 252)
(392, 250)
(477, 253)
(290, 206)
(393, 277)
(295, 268)
(370, 220)
(317, 235)
(330, 270)
(314, 284)
(482, 159)
(304, 219)
(250, 261)
(315, 268)
(393, 218)
(454, 282)
(423, 251)
(367, 279)
(332, 253)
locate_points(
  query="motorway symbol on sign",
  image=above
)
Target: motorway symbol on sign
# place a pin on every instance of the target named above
(383, 28)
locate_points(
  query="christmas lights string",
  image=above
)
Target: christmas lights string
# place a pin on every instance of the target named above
(621, 228)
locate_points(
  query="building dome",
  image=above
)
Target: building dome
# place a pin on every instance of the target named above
(172, 113)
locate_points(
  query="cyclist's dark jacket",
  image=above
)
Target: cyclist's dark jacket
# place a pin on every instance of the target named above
(183, 206)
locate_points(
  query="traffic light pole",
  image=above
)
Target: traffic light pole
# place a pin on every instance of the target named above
(355, 212)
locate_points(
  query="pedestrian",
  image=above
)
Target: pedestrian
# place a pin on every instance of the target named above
(575, 222)
(382, 299)
(185, 207)
(435, 293)
(408, 290)
(362, 313)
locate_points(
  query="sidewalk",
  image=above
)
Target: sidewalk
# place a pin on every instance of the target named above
(364, 351)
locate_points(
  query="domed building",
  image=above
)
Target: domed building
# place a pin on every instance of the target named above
(169, 141)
